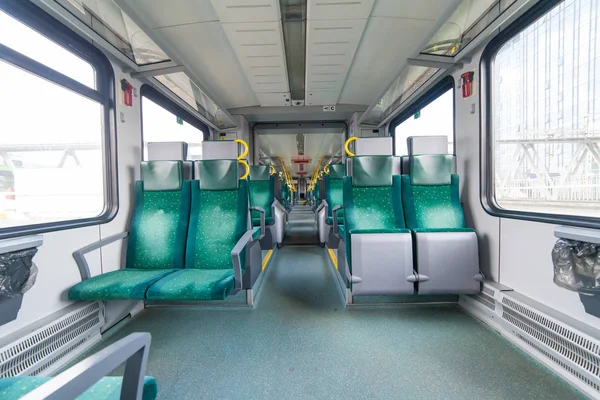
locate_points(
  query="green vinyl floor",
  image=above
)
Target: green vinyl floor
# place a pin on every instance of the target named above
(299, 342)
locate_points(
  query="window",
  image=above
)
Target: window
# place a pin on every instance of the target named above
(433, 115)
(543, 120)
(55, 118)
(164, 121)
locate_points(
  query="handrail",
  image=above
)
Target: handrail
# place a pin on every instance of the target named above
(348, 152)
(246, 148)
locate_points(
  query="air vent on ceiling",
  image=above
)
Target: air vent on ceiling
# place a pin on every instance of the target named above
(47, 349)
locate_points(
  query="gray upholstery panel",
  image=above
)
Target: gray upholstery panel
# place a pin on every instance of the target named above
(450, 260)
(220, 149)
(217, 174)
(383, 262)
(167, 151)
(377, 146)
(372, 171)
(260, 172)
(427, 145)
(162, 175)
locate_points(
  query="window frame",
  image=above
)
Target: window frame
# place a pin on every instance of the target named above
(41, 22)
(157, 97)
(444, 85)
(487, 195)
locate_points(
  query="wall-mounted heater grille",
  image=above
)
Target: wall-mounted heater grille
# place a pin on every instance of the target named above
(569, 352)
(50, 347)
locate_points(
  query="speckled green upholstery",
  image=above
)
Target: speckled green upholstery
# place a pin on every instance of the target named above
(218, 219)
(372, 209)
(334, 193)
(262, 192)
(156, 243)
(432, 207)
(108, 388)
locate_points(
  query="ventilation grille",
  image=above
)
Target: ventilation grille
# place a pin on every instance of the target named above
(558, 338)
(52, 346)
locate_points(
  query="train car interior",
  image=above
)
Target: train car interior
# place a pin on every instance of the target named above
(299, 199)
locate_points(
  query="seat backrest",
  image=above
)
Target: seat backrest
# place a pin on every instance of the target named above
(430, 193)
(262, 191)
(334, 187)
(160, 218)
(418, 145)
(372, 195)
(171, 151)
(218, 215)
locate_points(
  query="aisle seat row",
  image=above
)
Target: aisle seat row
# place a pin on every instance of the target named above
(188, 239)
(405, 234)
(333, 183)
(261, 184)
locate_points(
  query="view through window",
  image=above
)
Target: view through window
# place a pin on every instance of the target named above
(545, 115)
(436, 118)
(161, 125)
(51, 158)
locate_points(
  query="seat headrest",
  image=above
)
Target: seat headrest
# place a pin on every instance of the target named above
(427, 145)
(431, 170)
(219, 150)
(217, 174)
(162, 176)
(372, 171)
(337, 171)
(260, 173)
(168, 151)
(374, 146)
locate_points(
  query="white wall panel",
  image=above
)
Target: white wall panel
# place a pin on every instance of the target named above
(422, 9)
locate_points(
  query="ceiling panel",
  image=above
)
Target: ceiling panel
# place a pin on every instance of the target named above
(422, 9)
(247, 10)
(322, 98)
(339, 9)
(274, 99)
(161, 13)
(212, 60)
(259, 49)
(384, 48)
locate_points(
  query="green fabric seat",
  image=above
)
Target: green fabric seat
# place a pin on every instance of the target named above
(218, 219)
(255, 232)
(156, 244)
(334, 191)
(262, 193)
(194, 285)
(108, 388)
(124, 284)
(430, 195)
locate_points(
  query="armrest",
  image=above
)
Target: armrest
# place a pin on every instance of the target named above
(133, 350)
(79, 255)
(322, 205)
(262, 220)
(335, 220)
(236, 259)
(277, 204)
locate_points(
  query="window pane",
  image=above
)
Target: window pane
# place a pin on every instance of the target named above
(160, 125)
(546, 119)
(51, 161)
(436, 118)
(30, 43)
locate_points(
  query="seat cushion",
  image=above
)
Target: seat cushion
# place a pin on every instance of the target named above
(124, 284)
(342, 232)
(256, 221)
(105, 389)
(255, 232)
(194, 284)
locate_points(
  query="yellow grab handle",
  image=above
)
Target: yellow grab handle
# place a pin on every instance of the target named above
(273, 170)
(326, 169)
(352, 139)
(245, 153)
(245, 164)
